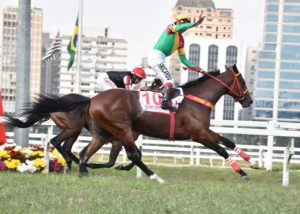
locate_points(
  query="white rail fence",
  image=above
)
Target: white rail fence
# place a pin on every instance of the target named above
(266, 155)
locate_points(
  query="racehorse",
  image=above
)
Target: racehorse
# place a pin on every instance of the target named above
(71, 124)
(119, 113)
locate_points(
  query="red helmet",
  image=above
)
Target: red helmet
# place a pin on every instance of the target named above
(140, 72)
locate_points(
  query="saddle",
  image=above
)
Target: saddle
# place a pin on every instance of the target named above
(151, 101)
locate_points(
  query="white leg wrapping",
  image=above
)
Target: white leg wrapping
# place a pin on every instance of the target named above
(157, 178)
(253, 164)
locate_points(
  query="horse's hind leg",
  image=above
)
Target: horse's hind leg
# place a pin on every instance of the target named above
(67, 146)
(229, 144)
(57, 141)
(208, 139)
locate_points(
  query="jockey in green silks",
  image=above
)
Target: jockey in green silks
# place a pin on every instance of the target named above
(171, 40)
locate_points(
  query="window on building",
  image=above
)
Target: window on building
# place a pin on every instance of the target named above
(213, 53)
(272, 8)
(225, 14)
(228, 111)
(264, 113)
(231, 59)
(194, 57)
(231, 55)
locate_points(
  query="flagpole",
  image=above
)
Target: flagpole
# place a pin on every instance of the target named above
(77, 89)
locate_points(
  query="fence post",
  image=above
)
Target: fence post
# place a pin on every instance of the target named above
(46, 148)
(270, 146)
(139, 144)
(124, 155)
(285, 170)
(192, 155)
(288, 152)
(260, 157)
(197, 157)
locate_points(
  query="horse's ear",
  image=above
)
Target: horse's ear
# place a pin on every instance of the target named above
(235, 69)
(227, 67)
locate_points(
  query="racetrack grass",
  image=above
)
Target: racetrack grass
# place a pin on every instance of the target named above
(187, 190)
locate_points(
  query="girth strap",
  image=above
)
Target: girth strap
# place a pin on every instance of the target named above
(172, 125)
(200, 100)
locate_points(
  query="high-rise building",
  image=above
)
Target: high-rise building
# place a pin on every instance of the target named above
(215, 54)
(250, 72)
(277, 88)
(218, 24)
(99, 53)
(50, 69)
(8, 65)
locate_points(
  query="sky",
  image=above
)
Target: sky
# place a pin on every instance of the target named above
(141, 22)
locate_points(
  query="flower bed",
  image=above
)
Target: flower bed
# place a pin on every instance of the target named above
(31, 160)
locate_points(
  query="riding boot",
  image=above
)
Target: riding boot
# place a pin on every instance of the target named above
(167, 100)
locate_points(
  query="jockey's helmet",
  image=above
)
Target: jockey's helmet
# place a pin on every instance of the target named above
(140, 72)
(183, 16)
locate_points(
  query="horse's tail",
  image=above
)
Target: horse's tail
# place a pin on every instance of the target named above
(39, 111)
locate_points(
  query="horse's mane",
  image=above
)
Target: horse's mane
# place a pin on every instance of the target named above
(200, 79)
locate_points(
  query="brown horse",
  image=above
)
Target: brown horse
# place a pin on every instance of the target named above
(119, 112)
(71, 124)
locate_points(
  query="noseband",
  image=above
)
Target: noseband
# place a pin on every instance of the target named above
(238, 96)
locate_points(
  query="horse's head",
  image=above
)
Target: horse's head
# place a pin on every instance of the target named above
(239, 90)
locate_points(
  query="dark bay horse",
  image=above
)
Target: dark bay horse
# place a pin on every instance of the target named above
(71, 124)
(119, 112)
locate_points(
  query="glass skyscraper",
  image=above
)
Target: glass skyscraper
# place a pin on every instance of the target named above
(277, 85)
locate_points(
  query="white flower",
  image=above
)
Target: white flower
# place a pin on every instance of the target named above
(31, 169)
(17, 148)
(27, 152)
(22, 168)
(52, 157)
(27, 167)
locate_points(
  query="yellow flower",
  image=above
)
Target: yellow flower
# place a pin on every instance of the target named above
(12, 164)
(55, 153)
(37, 153)
(39, 163)
(62, 161)
(4, 154)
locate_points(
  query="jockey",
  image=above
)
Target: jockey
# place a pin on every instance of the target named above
(120, 79)
(171, 40)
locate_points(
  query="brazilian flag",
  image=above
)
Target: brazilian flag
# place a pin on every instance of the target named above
(72, 45)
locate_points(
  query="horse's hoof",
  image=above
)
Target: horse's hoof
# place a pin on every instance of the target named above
(157, 178)
(246, 177)
(254, 165)
(83, 174)
(66, 169)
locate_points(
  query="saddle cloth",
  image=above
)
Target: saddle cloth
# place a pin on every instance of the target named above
(151, 101)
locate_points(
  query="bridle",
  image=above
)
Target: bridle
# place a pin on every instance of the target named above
(237, 95)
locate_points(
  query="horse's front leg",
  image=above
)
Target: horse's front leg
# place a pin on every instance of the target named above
(229, 144)
(134, 155)
(114, 152)
(209, 140)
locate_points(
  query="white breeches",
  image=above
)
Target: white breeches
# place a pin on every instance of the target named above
(158, 64)
(104, 83)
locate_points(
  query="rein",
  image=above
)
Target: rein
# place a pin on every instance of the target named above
(237, 96)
